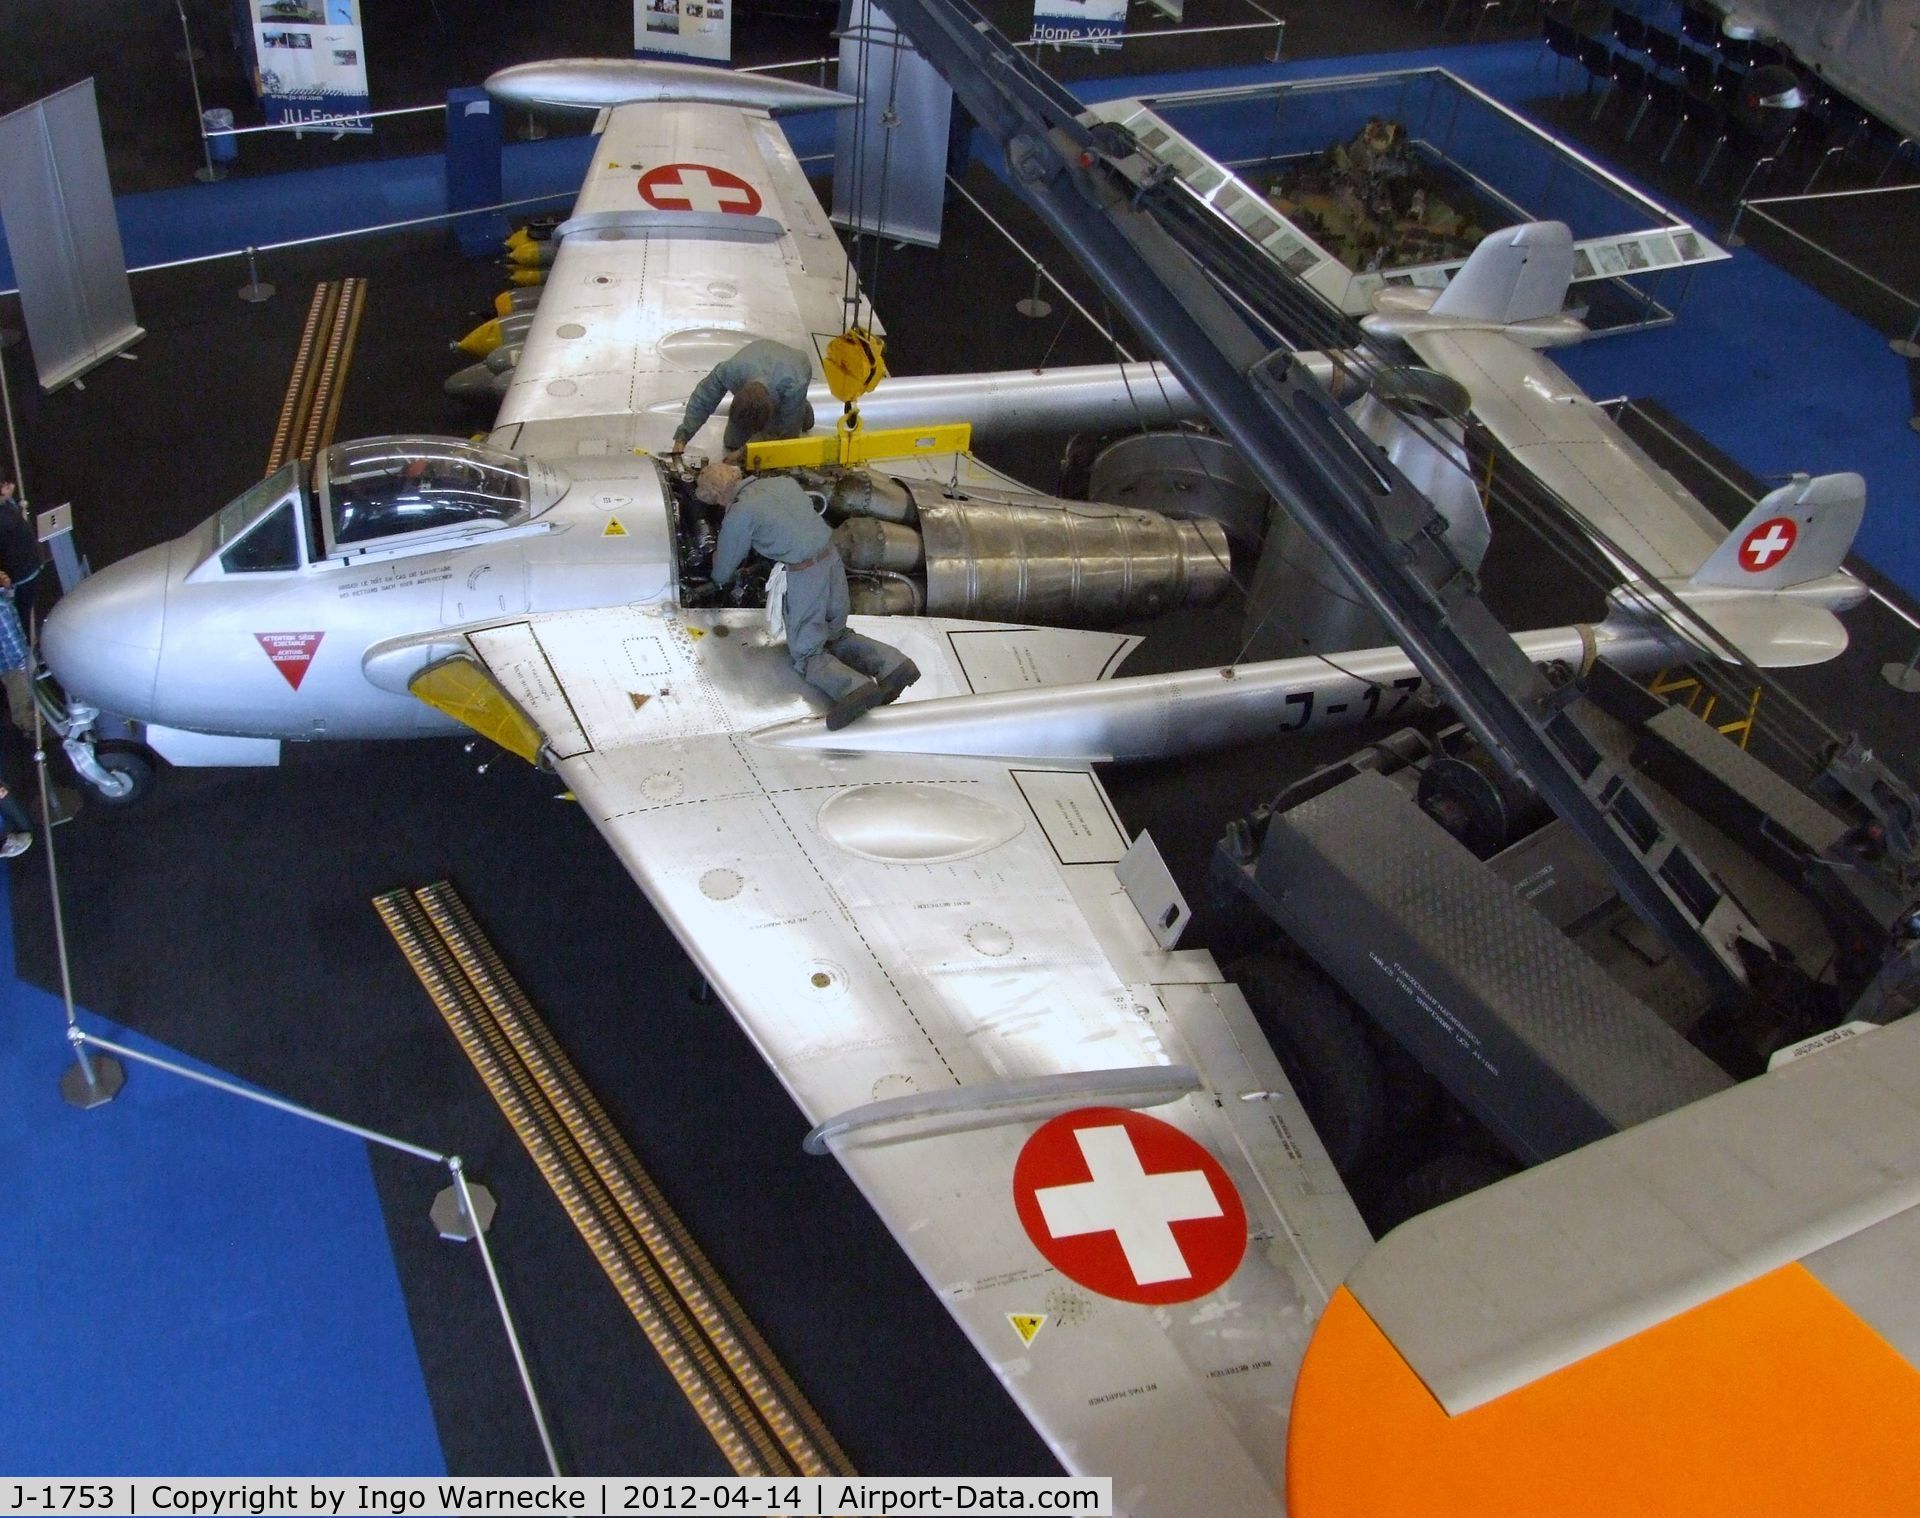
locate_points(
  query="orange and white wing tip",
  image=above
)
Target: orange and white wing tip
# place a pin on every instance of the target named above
(1773, 1398)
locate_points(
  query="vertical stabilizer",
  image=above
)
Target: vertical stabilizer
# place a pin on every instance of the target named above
(1518, 274)
(1800, 532)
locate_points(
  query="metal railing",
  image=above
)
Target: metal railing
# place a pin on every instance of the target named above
(1906, 347)
(97, 1077)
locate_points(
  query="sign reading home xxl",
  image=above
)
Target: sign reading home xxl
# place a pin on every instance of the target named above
(310, 65)
(1085, 22)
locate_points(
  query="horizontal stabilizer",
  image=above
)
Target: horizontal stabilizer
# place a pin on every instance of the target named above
(1518, 274)
(1800, 532)
(1768, 630)
(585, 84)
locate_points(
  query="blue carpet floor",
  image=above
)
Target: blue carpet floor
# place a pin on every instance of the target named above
(194, 1284)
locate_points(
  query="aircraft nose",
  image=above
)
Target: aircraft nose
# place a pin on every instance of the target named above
(102, 641)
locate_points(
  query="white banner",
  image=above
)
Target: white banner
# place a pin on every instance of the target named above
(644, 1496)
(1090, 23)
(684, 28)
(311, 64)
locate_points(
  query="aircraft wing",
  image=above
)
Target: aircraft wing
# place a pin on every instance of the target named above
(1082, 1141)
(695, 233)
(1553, 430)
(1711, 1312)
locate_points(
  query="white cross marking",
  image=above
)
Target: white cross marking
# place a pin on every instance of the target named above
(703, 194)
(1761, 550)
(1137, 1208)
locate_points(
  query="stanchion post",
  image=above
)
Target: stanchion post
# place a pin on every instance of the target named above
(1035, 305)
(254, 290)
(1908, 346)
(209, 171)
(1279, 41)
(461, 1212)
(1904, 677)
(92, 1080)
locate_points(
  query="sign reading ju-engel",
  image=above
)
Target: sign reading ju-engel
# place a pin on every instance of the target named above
(310, 63)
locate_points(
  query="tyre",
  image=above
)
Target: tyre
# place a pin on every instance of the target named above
(131, 767)
(1324, 1050)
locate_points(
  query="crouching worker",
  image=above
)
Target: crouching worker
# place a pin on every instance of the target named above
(773, 517)
(768, 382)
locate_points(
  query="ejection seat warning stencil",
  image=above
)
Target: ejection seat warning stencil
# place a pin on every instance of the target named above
(1027, 1324)
(698, 187)
(291, 653)
(613, 529)
(1129, 1206)
(1072, 811)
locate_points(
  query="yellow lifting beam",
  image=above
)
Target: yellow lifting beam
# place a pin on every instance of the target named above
(857, 445)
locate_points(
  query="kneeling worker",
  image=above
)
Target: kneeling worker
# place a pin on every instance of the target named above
(773, 517)
(768, 382)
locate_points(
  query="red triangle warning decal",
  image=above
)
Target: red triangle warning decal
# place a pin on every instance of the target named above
(291, 653)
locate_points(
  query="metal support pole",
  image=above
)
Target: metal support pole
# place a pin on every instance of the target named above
(506, 1318)
(209, 171)
(254, 291)
(1908, 346)
(92, 1081)
(1035, 305)
(1904, 677)
(1279, 42)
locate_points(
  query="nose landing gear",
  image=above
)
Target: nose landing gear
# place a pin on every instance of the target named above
(117, 772)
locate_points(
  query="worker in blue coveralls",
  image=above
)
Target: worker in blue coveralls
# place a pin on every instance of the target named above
(774, 517)
(768, 382)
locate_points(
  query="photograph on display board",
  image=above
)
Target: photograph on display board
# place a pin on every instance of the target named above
(291, 13)
(663, 16)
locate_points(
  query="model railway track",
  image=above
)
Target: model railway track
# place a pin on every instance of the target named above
(758, 1417)
(311, 409)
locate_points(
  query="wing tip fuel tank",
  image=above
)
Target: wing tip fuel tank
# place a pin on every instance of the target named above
(597, 83)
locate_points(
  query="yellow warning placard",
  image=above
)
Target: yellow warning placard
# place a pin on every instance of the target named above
(613, 529)
(1027, 1324)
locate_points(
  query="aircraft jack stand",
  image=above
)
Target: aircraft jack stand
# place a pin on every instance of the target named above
(92, 1080)
(450, 1219)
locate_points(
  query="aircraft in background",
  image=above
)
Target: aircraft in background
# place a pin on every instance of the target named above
(1076, 1131)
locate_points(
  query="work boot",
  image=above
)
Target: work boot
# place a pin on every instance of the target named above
(896, 680)
(862, 699)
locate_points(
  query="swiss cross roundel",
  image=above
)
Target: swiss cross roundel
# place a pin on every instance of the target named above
(698, 187)
(1129, 1206)
(1768, 544)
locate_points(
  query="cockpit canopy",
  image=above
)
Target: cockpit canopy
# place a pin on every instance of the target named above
(384, 486)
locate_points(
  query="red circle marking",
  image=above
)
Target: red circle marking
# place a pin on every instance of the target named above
(1129, 1206)
(1768, 544)
(698, 187)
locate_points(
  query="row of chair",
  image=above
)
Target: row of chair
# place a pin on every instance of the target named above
(1704, 93)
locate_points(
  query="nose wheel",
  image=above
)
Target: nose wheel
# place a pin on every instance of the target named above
(125, 772)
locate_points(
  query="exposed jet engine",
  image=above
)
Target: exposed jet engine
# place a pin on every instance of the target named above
(911, 548)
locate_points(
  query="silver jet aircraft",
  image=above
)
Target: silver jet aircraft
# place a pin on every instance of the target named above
(1078, 1134)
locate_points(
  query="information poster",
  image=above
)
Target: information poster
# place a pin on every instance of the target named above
(1086, 23)
(684, 28)
(312, 65)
